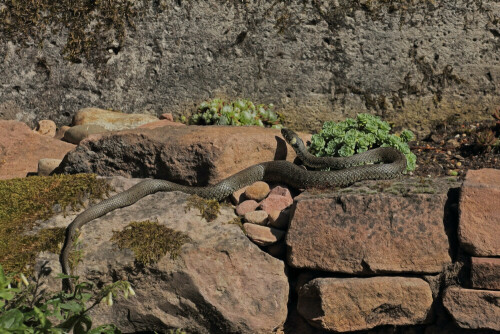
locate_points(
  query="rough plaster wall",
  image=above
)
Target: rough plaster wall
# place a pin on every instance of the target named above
(412, 62)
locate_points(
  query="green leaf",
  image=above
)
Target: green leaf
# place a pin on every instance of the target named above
(406, 136)
(72, 306)
(41, 317)
(3, 279)
(8, 294)
(83, 325)
(12, 319)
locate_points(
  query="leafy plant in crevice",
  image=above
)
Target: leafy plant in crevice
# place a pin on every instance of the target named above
(238, 112)
(25, 308)
(359, 135)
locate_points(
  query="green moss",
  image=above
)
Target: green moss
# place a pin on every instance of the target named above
(150, 241)
(237, 221)
(209, 208)
(92, 26)
(24, 201)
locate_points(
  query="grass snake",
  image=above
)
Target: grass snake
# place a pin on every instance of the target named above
(347, 171)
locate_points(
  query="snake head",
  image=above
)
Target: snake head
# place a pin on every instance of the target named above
(290, 136)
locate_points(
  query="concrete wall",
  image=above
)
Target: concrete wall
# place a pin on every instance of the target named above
(413, 62)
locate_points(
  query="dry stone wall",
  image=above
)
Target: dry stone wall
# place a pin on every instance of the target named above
(411, 255)
(414, 62)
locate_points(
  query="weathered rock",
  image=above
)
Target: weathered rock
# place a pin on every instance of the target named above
(275, 203)
(238, 196)
(263, 235)
(159, 124)
(371, 228)
(46, 127)
(77, 133)
(485, 273)
(476, 309)
(220, 282)
(188, 154)
(246, 206)
(479, 225)
(47, 166)
(21, 149)
(257, 191)
(258, 217)
(417, 62)
(280, 219)
(349, 304)
(111, 120)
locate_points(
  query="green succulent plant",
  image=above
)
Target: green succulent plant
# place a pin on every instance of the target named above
(359, 135)
(238, 112)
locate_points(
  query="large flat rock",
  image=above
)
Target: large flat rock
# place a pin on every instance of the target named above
(479, 226)
(191, 154)
(350, 304)
(219, 283)
(372, 227)
(21, 149)
(474, 309)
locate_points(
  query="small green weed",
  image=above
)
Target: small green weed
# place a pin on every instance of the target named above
(25, 308)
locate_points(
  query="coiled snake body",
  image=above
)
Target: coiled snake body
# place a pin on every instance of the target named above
(394, 162)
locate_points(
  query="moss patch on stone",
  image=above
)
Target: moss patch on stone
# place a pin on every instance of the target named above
(92, 27)
(28, 200)
(239, 222)
(209, 208)
(150, 241)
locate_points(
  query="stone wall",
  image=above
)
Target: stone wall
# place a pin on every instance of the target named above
(425, 260)
(413, 62)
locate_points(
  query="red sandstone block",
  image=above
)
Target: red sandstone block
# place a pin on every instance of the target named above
(479, 225)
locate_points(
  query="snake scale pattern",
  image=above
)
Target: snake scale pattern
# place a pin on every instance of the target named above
(348, 170)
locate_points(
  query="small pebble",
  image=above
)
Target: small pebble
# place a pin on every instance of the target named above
(263, 235)
(238, 196)
(77, 133)
(459, 164)
(46, 127)
(258, 217)
(279, 219)
(246, 206)
(257, 191)
(60, 132)
(281, 191)
(275, 203)
(47, 166)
